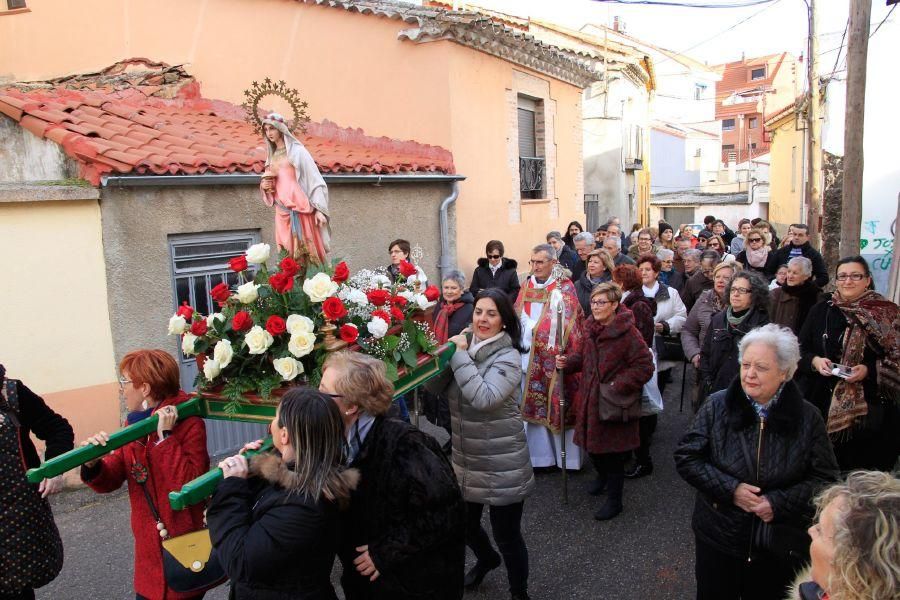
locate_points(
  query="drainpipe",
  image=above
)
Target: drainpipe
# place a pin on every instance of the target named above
(446, 263)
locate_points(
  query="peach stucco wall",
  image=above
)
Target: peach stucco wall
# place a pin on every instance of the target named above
(352, 70)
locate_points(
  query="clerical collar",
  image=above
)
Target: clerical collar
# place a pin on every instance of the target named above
(544, 283)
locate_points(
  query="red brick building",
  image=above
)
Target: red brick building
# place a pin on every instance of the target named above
(752, 89)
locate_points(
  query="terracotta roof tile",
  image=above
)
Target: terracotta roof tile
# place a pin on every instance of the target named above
(122, 131)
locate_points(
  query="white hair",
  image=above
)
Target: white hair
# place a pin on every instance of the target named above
(616, 239)
(585, 236)
(665, 254)
(458, 276)
(803, 263)
(780, 339)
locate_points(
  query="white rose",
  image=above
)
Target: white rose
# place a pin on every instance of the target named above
(299, 324)
(422, 301)
(353, 296)
(223, 353)
(187, 344)
(320, 287)
(380, 279)
(377, 327)
(258, 254)
(247, 293)
(211, 319)
(302, 344)
(177, 325)
(287, 367)
(258, 340)
(410, 296)
(211, 369)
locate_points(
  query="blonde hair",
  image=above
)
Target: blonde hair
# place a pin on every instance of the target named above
(364, 381)
(611, 290)
(866, 560)
(604, 257)
(732, 264)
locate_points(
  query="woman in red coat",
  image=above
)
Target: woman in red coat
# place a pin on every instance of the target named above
(612, 352)
(161, 462)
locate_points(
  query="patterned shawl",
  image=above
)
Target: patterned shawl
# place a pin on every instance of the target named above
(873, 321)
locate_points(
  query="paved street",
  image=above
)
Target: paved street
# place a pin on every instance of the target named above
(645, 553)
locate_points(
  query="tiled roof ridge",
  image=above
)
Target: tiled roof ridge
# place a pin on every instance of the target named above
(477, 31)
(129, 130)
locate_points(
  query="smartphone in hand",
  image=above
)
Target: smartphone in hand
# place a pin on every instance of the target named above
(842, 371)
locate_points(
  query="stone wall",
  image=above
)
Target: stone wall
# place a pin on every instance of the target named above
(831, 210)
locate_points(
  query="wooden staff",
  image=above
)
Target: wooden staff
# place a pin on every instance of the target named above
(560, 335)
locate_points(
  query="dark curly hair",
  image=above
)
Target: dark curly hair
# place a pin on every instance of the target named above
(649, 258)
(759, 289)
(628, 277)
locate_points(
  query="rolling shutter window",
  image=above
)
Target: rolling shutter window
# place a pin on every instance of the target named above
(14, 4)
(527, 146)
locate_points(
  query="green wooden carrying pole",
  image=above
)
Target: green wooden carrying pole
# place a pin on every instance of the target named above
(203, 487)
(77, 457)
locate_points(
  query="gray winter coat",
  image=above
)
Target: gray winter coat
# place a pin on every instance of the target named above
(694, 331)
(490, 453)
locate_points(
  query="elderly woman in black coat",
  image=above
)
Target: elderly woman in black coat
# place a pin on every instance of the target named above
(403, 537)
(757, 453)
(451, 315)
(275, 523)
(496, 271)
(747, 304)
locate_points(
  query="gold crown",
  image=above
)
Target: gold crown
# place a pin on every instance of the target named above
(258, 91)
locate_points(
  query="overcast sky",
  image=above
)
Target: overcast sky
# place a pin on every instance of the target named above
(778, 26)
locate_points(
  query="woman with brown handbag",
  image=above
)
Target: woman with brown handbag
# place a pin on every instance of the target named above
(615, 364)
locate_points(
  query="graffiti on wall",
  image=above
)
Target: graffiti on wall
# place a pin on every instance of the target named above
(878, 250)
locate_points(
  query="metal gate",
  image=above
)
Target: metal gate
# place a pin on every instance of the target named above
(199, 263)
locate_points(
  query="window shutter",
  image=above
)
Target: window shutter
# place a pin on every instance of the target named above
(527, 146)
(14, 4)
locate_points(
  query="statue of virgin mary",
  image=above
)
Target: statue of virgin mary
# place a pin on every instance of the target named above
(293, 185)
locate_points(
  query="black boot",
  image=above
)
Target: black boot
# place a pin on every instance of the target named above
(598, 486)
(477, 573)
(639, 470)
(613, 504)
(519, 596)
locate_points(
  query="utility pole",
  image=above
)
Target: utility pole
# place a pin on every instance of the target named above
(857, 51)
(814, 137)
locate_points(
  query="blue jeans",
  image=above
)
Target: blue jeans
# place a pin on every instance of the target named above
(399, 409)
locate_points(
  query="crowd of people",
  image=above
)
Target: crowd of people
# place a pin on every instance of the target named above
(790, 451)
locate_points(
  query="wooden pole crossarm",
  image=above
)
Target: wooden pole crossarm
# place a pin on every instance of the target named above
(77, 457)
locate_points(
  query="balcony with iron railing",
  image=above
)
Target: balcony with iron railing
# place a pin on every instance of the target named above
(531, 176)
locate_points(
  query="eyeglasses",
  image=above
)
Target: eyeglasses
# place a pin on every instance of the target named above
(600, 303)
(494, 256)
(643, 239)
(751, 240)
(537, 263)
(713, 244)
(851, 276)
(740, 290)
(123, 381)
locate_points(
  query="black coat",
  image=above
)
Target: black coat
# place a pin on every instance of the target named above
(768, 270)
(274, 542)
(673, 279)
(693, 287)
(506, 278)
(568, 258)
(796, 461)
(819, 269)
(460, 319)
(583, 288)
(719, 351)
(409, 510)
(36, 417)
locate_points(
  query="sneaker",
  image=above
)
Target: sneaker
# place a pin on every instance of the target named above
(639, 471)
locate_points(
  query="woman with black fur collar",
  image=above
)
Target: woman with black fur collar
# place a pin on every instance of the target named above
(275, 524)
(757, 453)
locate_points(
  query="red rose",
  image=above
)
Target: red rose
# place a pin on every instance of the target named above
(384, 316)
(238, 264)
(289, 266)
(199, 327)
(220, 293)
(333, 309)
(242, 321)
(400, 301)
(432, 293)
(281, 282)
(276, 325)
(396, 313)
(349, 332)
(341, 273)
(407, 269)
(379, 297)
(186, 311)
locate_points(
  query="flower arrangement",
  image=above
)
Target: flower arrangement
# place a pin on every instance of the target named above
(276, 327)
